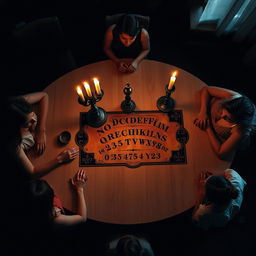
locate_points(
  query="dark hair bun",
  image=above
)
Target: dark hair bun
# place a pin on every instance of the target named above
(219, 190)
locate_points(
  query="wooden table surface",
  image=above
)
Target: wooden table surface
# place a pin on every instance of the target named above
(117, 194)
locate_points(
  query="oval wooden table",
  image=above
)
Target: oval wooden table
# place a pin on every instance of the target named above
(117, 194)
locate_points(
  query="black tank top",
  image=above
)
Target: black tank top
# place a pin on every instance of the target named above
(122, 51)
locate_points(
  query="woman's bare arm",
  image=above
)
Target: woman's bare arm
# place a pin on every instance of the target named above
(107, 45)
(227, 149)
(37, 171)
(42, 99)
(206, 94)
(145, 42)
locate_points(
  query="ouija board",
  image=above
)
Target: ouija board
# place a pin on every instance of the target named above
(135, 139)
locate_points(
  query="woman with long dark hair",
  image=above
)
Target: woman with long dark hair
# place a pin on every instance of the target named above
(228, 117)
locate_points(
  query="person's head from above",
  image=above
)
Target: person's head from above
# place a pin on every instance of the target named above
(24, 111)
(129, 245)
(18, 115)
(239, 111)
(219, 190)
(38, 199)
(128, 28)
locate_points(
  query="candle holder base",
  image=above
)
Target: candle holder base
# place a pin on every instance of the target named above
(165, 104)
(128, 107)
(96, 119)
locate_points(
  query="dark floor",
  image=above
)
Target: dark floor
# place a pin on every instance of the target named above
(216, 61)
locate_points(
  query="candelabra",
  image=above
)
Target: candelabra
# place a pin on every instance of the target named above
(128, 105)
(166, 103)
(96, 116)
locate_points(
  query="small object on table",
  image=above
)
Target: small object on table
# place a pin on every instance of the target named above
(81, 138)
(166, 103)
(128, 105)
(64, 138)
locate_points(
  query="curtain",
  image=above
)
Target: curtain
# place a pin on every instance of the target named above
(236, 17)
(243, 24)
(216, 11)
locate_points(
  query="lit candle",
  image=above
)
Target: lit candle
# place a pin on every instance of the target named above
(80, 93)
(97, 85)
(172, 80)
(88, 89)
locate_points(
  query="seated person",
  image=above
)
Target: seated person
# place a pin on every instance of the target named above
(41, 201)
(25, 131)
(127, 39)
(219, 199)
(130, 245)
(229, 119)
(33, 132)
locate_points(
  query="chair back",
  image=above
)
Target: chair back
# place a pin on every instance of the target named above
(42, 52)
(41, 33)
(113, 19)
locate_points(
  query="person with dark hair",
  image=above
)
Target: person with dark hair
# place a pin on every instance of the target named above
(127, 39)
(26, 132)
(129, 245)
(219, 199)
(33, 128)
(43, 207)
(40, 218)
(229, 119)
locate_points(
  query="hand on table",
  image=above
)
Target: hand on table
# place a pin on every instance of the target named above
(132, 67)
(202, 121)
(127, 67)
(40, 139)
(123, 67)
(68, 155)
(79, 180)
(203, 177)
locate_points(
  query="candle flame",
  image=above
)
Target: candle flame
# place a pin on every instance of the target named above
(172, 80)
(174, 73)
(95, 80)
(78, 89)
(97, 85)
(80, 92)
(87, 89)
(86, 84)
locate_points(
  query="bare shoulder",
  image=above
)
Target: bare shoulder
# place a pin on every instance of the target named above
(144, 33)
(109, 34)
(110, 28)
(239, 132)
(221, 92)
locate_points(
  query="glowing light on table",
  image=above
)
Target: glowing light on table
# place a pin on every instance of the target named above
(172, 80)
(80, 93)
(97, 85)
(88, 89)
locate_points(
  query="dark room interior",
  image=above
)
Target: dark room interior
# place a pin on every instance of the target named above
(219, 59)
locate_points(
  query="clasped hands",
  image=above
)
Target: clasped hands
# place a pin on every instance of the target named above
(125, 67)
